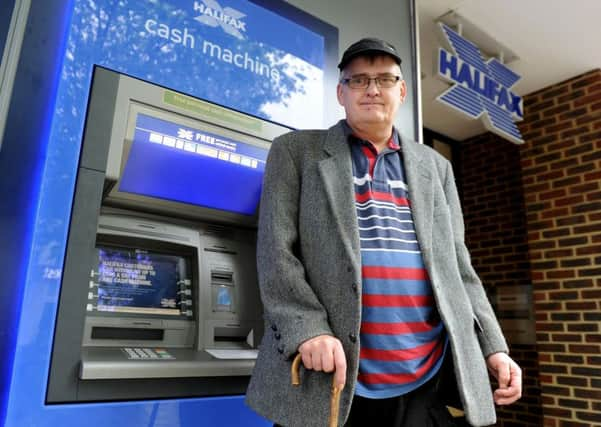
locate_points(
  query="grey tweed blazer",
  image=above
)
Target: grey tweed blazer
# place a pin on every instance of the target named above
(309, 266)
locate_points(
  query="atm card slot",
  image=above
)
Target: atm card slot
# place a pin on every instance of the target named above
(222, 277)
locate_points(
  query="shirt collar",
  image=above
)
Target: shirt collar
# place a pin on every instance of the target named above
(394, 143)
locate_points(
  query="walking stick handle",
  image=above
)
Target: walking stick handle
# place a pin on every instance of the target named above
(334, 396)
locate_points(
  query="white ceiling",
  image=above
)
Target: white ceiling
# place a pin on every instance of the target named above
(554, 40)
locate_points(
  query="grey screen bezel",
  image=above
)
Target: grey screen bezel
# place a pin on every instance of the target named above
(134, 97)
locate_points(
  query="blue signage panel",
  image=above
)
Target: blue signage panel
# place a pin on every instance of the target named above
(234, 53)
(480, 89)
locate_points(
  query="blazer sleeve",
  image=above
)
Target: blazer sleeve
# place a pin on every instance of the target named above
(489, 331)
(291, 308)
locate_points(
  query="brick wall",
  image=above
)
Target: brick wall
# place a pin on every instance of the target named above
(561, 168)
(533, 215)
(495, 221)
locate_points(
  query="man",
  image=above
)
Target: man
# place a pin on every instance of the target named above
(363, 270)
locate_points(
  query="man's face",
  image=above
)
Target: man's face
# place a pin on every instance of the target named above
(373, 105)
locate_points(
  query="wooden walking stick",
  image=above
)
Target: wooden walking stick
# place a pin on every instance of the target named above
(334, 397)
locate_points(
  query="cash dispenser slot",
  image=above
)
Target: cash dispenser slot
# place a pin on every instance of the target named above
(228, 336)
(138, 334)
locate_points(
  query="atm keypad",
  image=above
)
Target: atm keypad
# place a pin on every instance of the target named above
(139, 353)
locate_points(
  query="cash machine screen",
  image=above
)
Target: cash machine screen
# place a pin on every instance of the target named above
(173, 162)
(143, 282)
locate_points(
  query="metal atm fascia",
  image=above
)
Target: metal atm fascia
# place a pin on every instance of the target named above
(135, 97)
(191, 345)
(83, 369)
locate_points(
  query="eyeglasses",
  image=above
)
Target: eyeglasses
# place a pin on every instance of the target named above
(385, 81)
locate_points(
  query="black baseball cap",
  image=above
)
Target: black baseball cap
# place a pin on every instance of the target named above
(365, 46)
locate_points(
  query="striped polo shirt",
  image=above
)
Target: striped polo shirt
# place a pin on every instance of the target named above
(402, 337)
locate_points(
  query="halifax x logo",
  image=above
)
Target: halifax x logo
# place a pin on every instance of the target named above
(214, 15)
(481, 89)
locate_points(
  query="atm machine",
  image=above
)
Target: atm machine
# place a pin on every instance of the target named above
(159, 295)
(132, 162)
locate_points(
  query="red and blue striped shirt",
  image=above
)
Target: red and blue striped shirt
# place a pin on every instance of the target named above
(402, 337)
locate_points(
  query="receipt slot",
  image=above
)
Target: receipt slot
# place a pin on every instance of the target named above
(159, 295)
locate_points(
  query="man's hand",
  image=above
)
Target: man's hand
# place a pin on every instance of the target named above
(325, 353)
(509, 376)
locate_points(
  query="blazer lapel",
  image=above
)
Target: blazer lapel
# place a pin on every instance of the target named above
(420, 184)
(337, 175)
